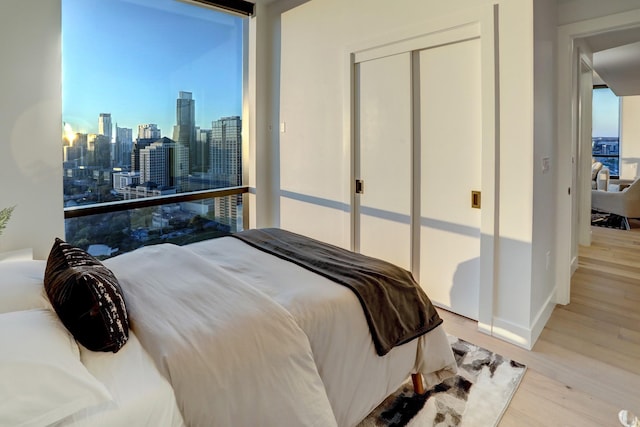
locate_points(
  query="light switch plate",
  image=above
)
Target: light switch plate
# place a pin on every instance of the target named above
(546, 164)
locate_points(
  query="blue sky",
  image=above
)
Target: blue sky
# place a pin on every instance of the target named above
(130, 58)
(606, 112)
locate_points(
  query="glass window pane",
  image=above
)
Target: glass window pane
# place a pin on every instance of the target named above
(110, 234)
(606, 129)
(152, 102)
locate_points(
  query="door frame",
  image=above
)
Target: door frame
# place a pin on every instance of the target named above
(583, 155)
(570, 61)
(479, 23)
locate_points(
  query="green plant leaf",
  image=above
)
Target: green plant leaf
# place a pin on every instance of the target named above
(5, 215)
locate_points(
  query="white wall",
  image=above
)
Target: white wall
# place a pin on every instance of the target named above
(30, 124)
(630, 137)
(512, 297)
(262, 106)
(315, 156)
(544, 135)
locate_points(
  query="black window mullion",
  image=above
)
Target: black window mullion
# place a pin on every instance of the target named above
(237, 6)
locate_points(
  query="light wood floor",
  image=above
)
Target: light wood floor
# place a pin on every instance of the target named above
(585, 366)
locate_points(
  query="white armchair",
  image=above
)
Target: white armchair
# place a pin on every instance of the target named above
(602, 179)
(595, 168)
(625, 203)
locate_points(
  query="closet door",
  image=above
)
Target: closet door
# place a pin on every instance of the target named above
(450, 169)
(383, 158)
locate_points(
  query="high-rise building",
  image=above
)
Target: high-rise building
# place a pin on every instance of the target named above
(203, 140)
(149, 131)
(156, 162)
(104, 126)
(147, 134)
(77, 149)
(225, 151)
(184, 135)
(138, 146)
(99, 151)
(225, 159)
(105, 129)
(123, 146)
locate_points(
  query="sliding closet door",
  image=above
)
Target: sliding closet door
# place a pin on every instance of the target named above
(383, 158)
(450, 169)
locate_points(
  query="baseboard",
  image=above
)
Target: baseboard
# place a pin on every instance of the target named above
(542, 317)
(511, 332)
(574, 265)
(485, 328)
(522, 336)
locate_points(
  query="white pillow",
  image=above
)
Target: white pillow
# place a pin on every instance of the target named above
(42, 379)
(21, 286)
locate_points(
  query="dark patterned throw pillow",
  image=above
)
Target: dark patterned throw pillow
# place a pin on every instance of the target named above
(87, 297)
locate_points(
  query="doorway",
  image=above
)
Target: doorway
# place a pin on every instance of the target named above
(574, 139)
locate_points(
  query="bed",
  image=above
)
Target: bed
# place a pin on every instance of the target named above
(267, 342)
(49, 379)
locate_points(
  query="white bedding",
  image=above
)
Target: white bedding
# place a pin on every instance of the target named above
(274, 344)
(141, 396)
(355, 377)
(233, 355)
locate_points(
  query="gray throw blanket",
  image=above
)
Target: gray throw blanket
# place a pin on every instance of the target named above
(395, 306)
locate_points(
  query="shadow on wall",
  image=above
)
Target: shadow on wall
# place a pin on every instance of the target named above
(465, 289)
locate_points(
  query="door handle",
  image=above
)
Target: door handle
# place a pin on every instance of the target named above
(476, 199)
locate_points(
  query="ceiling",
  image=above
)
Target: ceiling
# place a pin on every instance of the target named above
(616, 60)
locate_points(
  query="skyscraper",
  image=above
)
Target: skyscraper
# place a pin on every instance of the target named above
(203, 141)
(123, 146)
(156, 163)
(225, 152)
(138, 146)
(104, 126)
(98, 151)
(105, 129)
(77, 150)
(184, 135)
(225, 159)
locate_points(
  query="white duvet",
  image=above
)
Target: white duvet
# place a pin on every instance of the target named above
(234, 356)
(141, 396)
(355, 377)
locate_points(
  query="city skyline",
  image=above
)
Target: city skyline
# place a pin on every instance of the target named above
(117, 67)
(150, 130)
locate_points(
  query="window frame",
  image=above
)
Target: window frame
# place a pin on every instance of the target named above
(245, 10)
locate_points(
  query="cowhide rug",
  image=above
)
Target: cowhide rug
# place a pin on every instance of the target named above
(476, 397)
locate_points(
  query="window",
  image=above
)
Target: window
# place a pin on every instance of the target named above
(606, 129)
(152, 101)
